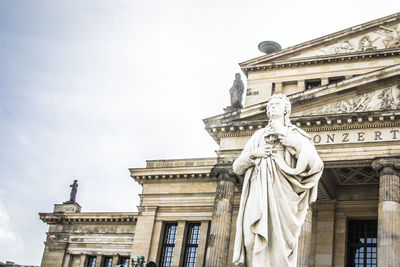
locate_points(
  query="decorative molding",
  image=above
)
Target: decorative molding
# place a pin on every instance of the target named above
(333, 123)
(384, 99)
(323, 59)
(174, 178)
(383, 38)
(52, 218)
(224, 172)
(386, 166)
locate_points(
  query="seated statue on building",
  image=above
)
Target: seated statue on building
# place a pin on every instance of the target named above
(281, 170)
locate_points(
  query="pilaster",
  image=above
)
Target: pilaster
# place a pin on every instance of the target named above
(201, 251)
(82, 260)
(178, 249)
(304, 244)
(143, 232)
(99, 259)
(325, 233)
(114, 261)
(218, 240)
(66, 261)
(389, 211)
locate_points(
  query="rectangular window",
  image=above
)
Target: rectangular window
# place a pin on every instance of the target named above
(124, 261)
(192, 243)
(168, 244)
(91, 261)
(310, 84)
(107, 262)
(361, 243)
(336, 79)
(273, 89)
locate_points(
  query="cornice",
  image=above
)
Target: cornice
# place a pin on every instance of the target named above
(307, 97)
(326, 59)
(361, 120)
(324, 40)
(175, 171)
(65, 218)
(174, 178)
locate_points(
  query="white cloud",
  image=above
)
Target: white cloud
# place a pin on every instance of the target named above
(7, 233)
(89, 89)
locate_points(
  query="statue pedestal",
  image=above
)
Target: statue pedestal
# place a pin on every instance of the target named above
(232, 108)
(67, 207)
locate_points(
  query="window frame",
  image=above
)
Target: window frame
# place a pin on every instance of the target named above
(189, 245)
(336, 79)
(307, 82)
(165, 244)
(104, 260)
(90, 263)
(121, 260)
(364, 245)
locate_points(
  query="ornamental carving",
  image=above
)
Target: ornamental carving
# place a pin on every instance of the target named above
(384, 38)
(367, 43)
(344, 47)
(384, 99)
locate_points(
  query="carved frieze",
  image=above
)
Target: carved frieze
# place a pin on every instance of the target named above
(385, 37)
(384, 99)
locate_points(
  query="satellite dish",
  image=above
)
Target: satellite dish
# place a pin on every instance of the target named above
(269, 47)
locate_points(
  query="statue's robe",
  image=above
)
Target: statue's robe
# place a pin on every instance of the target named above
(273, 204)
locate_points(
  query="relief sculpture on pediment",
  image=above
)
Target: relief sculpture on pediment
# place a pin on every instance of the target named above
(366, 43)
(388, 99)
(384, 99)
(391, 36)
(386, 37)
(344, 47)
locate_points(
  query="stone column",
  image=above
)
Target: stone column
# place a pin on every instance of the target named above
(218, 240)
(304, 245)
(389, 211)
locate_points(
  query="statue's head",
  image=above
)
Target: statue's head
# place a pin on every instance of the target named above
(140, 258)
(286, 103)
(237, 76)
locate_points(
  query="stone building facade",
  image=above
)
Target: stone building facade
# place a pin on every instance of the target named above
(345, 93)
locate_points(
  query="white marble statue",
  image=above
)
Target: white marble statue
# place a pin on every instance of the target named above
(281, 170)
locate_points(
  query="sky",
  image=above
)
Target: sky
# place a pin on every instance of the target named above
(91, 88)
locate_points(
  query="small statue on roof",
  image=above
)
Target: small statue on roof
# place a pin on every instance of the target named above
(236, 92)
(74, 190)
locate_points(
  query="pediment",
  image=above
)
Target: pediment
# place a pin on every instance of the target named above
(378, 35)
(377, 91)
(381, 98)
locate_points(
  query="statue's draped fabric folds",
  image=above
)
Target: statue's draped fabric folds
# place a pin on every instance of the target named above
(276, 193)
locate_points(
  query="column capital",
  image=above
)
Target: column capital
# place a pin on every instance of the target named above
(387, 166)
(224, 172)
